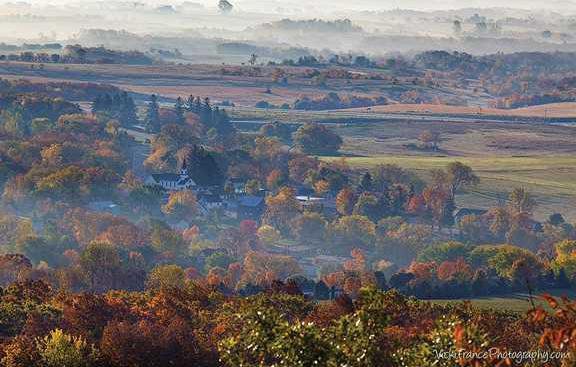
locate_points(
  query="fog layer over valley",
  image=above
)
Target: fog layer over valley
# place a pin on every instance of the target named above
(204, 32)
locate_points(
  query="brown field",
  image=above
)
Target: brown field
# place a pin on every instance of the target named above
(553, 110)
(210, 81)
(172, 81)
(182, 80)
(458, 139)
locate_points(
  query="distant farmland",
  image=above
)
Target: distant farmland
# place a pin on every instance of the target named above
(552, 110)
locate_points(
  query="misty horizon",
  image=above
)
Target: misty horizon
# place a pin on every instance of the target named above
(337, 5)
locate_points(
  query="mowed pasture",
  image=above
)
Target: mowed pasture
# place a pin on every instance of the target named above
(457, 139)
(551, 179)
(541, 158)
(517, 302)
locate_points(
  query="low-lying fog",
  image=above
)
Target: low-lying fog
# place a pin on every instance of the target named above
(372, 27)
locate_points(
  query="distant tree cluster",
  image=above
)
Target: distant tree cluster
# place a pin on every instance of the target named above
(214, 121)
(119, 106)
(314, 25)
(333, 101)
(514, 80)
(317, 139)
(21, 115)
(76, 54)
(518, 101)
(66, 90)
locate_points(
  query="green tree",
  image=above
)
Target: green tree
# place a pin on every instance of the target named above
(41, 125)
(181, 205)
(450, 336)
(520, 201)
(14, 124)
(268, 338)
(367, 183)
(565, 258)
(225, 6)
(501, 258)
(62, 350)
(460, 176)
(127, 115)
(252, 187)
(152, 120)
(278, 130)
(269, 235)
(101, 264)
(369, 206)
(353, 231)
(317, 139)
(282, 209)
(203, 167)
(166, 277)
(218, 260)
(179, 109)
(310, 228)
(447, 251)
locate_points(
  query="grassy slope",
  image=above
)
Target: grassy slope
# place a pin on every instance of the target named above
(552, 179)
(518, 302)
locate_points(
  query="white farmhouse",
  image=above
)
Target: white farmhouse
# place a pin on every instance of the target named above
(173, 181)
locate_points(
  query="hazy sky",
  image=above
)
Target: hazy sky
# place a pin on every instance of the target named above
(338, 5)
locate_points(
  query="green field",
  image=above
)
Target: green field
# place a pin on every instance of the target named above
(518, 302)
(551, 179)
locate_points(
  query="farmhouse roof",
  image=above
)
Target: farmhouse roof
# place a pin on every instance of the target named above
(158, 177)
(250, 201)
(184, 181)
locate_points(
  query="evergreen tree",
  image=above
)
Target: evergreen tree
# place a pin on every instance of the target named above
(97, 104)
(198, 105)
(223, 125)
(321, 291)
(366, 183)
(191, 104)
(116, 102)
(106, 103)
(381, 280)
(127, 114)
(153, 115)
(203, 169)
(179, 109)
(205, 112)
(449, 208)
(480, 284)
